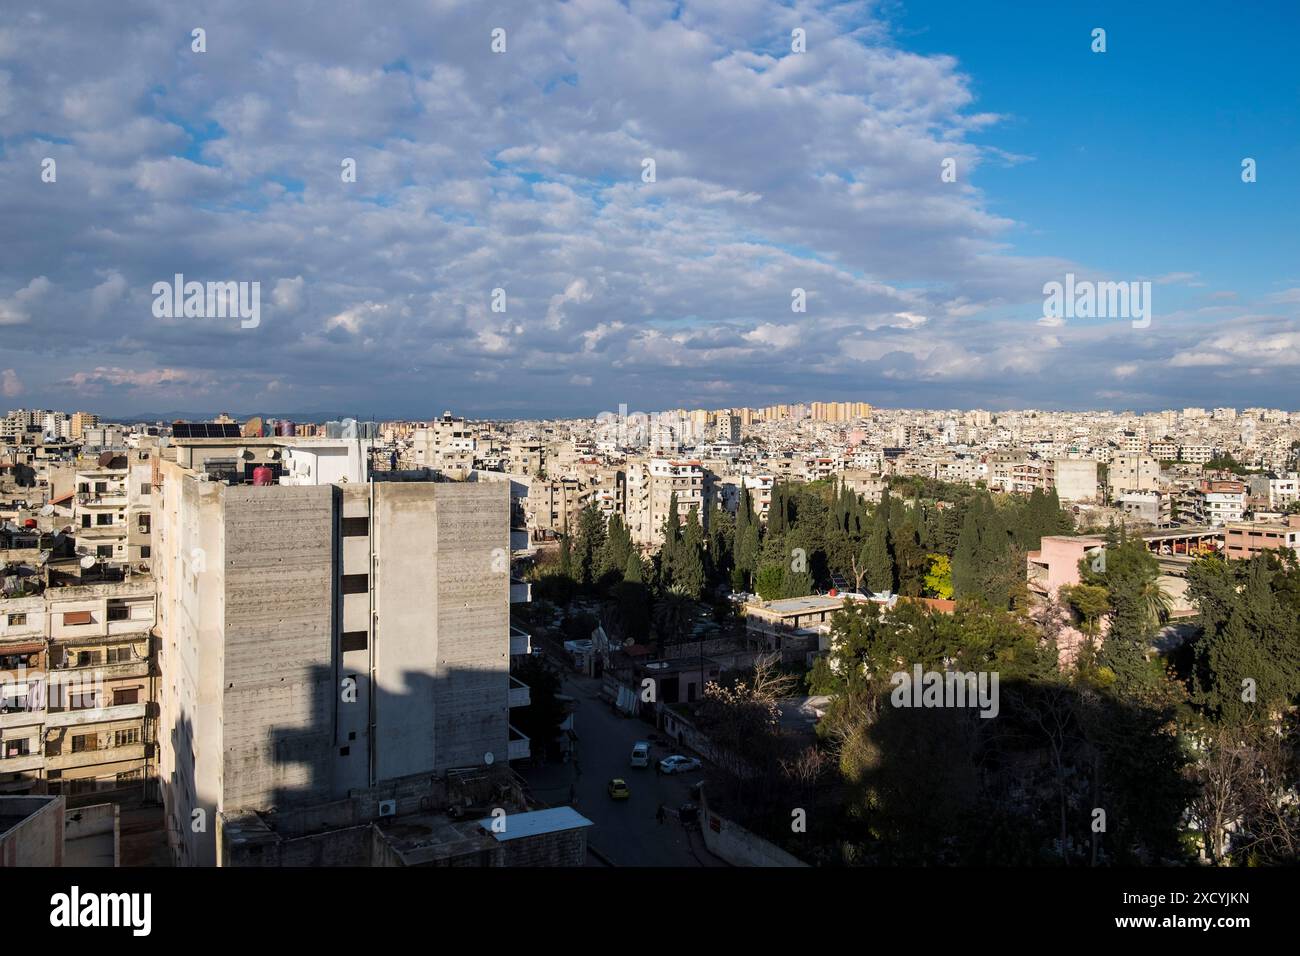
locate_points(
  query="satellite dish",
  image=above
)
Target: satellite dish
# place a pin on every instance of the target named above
(47, 511)
(89, 561)
(105, 459)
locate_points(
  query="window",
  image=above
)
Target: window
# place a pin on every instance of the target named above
(85, 521)
(119, 655)
(101, 487)
(103, 521)
(126, 696)
(145, 489)
(53, 748)
(125, 738)
(128, 776)
(15, 620)
(83, 699)
(356, 527)
(146, 552)
(76, 617)
(17, 748)
(354, 641)
(354, 583)
(145, 524)
(84, 743)
(119, 612)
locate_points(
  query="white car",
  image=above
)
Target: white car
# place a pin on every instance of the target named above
(678, 764)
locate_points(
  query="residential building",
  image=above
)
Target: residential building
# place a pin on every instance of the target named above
(329, 645)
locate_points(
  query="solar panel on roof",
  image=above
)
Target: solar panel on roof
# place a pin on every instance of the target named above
(204, 430)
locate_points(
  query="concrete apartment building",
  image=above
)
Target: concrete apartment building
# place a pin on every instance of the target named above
(1148, 507)
(448, 443)
(111, 512)
(650, 487)
(1133, 473)
(1076, 479)
(337, 646)
(77, 682)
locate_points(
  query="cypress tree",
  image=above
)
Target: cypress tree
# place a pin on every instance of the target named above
(877, 555)
(688, 571)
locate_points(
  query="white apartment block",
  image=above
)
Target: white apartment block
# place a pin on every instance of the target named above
(1196, 454)
(1221, 507)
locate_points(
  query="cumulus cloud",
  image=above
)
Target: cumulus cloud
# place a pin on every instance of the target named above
(523, 171)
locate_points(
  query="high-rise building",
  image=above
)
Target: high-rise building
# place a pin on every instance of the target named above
(329, 642)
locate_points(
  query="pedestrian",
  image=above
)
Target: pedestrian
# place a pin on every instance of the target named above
(661, 814)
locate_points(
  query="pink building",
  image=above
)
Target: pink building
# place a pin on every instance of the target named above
(1054, 565)
(1056, 562)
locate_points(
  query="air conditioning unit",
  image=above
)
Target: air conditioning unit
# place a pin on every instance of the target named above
(388, 808)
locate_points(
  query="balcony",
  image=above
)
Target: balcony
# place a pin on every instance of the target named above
(519, 745)
(16, 717)
(93, 715)
(98, 755)
(103, 499)
(521, 592)
(521, 642)
(519, 693)
(18, 764)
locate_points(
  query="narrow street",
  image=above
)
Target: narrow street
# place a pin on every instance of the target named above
(626, 832)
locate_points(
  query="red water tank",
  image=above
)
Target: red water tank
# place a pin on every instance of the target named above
(834, 591)
(29, 523)
(263, 475)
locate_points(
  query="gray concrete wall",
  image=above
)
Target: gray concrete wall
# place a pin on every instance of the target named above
(38, 839)
(441, 640)
(278, 693)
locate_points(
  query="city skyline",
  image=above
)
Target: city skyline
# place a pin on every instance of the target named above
(522, 168)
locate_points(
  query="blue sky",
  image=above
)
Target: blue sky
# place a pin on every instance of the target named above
(522, 170)
(1150, 135)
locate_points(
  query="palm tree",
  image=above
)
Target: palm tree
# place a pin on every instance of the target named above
(1156, 602)
(673, 615)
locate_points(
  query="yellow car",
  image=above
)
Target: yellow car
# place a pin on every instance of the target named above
(618, 789)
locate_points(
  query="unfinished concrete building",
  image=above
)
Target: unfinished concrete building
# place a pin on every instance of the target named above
(330, 653)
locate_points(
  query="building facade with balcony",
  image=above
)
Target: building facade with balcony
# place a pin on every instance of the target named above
(78, 686)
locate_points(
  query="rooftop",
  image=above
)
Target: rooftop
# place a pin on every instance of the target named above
(536, 823)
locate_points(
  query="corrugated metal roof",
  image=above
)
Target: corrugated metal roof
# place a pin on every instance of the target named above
(536, 823)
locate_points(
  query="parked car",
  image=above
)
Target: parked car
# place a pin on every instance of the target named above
(641, 754)
(618, 789)
(678, 764)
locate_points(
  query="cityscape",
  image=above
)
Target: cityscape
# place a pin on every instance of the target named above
(626, 436)
(224, 635)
